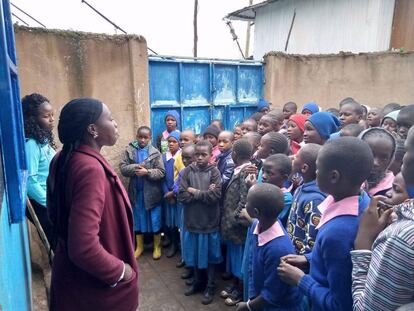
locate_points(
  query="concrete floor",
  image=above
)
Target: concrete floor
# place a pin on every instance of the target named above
(162, 289)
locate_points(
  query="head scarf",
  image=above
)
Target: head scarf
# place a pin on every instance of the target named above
(175, 134)
(312, 107)
(393, 115)
(325, 123)
(212, 130)
(300, 120)
(175, 115)
(262, 104)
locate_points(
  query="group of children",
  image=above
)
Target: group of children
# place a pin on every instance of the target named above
(301, 207)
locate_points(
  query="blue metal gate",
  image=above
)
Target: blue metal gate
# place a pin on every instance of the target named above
(203, 90)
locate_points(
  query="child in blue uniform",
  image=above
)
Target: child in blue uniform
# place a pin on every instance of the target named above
(340, 174)
(270, 243)
(171, 216)
(225, 162)
(305, 215)
(276, 170)
(172, 123)
(200, 192)
(143, 164)
(187, 157)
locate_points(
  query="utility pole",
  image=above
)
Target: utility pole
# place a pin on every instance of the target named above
(249, 24)
(195, 28)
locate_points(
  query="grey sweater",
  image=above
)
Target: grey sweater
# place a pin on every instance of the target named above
(152, 182)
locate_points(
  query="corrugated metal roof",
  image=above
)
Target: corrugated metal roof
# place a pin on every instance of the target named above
(248, 13)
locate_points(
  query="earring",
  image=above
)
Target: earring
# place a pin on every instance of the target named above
(95, 135)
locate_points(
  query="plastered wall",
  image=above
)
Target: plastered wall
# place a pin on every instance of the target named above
(374, 79)
(63, 65)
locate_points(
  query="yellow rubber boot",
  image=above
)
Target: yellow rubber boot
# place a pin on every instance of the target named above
(157, 247)
(140, 245)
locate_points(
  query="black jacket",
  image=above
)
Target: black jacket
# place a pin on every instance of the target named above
(201, 210)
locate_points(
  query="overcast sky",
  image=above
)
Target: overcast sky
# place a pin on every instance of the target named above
(166, 24)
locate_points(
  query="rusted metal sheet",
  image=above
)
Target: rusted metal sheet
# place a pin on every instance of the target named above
(403, 25)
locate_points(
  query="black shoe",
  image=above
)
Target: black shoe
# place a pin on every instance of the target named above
(192, 289)
(180, 264)
(208, 296)
(187, 274)
(171, 251)
(166, 241)
(189, 281)
(226, 276)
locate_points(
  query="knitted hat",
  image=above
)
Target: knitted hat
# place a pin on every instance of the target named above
(325, 123)
(300, 120)
(312, 107)
(393, 115)
(212, 130)
(262, 104)
(175, 115)
(174, 134)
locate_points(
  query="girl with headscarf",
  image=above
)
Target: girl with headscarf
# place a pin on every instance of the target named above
(94, 267)
(40, 149)
(296, 127)
(172, 123)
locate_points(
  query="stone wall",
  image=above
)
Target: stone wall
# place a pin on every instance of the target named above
(374, 79)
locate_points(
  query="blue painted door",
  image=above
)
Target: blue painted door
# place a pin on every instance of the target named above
(15, 271)
(203, 90)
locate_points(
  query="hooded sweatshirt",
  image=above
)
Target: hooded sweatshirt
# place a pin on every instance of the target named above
(201, 210)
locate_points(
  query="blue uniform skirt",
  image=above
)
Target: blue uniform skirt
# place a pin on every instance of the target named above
(146, 220)
(172, 215)
(201, 249)
(234, 259)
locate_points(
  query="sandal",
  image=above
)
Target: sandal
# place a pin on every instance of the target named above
(234, 298)
(226, 292)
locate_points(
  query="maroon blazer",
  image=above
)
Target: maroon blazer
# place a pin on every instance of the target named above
(100, 239)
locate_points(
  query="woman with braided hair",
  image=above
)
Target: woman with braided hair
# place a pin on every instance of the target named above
(40, 149)
(94, 267)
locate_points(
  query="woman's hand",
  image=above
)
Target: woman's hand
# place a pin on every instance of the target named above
(298, 261)
(289, 274)
(128, 273)
(373, 221)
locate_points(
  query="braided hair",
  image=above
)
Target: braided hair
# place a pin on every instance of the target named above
(74, 120)
(32, 129)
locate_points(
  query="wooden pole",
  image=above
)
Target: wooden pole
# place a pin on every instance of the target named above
(195, 28)
(39, 229)
(249, 24)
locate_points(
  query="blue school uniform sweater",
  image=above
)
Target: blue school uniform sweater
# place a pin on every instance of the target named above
(168, 182)
(329, 282)
(305, 216)
(264, 279)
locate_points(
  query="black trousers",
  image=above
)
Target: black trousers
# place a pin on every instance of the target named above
(41, 213)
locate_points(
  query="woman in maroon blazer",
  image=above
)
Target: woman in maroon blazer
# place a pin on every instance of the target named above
(94, 266)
